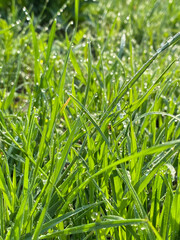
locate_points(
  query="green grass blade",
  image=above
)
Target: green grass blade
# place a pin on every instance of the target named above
(5, 190)
(89, 72)
(54, 222)
(90, 118)
(146, 152)
(140, 101)
(16, 233)
(138, 74)
(77, 68)
(36, 55)
(76, 12)
(2, 222)
(50, 41)
(95, 226)
(158, 237)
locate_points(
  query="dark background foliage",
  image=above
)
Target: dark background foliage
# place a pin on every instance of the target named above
(45, 10)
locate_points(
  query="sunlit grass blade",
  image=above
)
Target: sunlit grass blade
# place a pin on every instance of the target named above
(95, 226)
(5, 190)
(90, 118)
(16, 231)
(77, 67)
(170, 42)
(158, 237)
(54, 222)
(36, 55)
(140, 209)
(146, 152)
(50, 41)
(89, 72)
(140, 101)
(66, 149)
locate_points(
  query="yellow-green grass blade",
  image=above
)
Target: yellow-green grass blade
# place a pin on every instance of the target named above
(138, 74)
(94, 227)
(90, 118)
(149, 151)
(50, 41)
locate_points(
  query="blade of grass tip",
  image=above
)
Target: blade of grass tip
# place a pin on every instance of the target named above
(60, 95)
(137, 75)
(63, 76)
(90, 118)
(94, 227)
(89, 72)
(36, 54)
(8, 235)
(77, 68)
(76, 12)
(55, 105)
(50, 41)
(122, 46)
(73, 58)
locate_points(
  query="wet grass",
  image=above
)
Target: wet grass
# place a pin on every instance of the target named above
(89, 123)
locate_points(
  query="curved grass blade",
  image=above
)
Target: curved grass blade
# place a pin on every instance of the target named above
(170, 42)
(158, 237)
(140, 101)
(55, 221)
(139, 205)
(94, 227)
(149, 151)
(90, 118)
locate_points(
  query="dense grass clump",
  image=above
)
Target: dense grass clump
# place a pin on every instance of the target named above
(90, 121)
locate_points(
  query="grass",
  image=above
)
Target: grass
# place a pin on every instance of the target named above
(89, 123)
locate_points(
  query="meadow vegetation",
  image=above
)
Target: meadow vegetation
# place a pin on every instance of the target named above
(90, 120)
